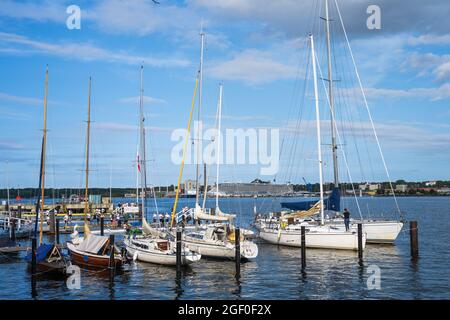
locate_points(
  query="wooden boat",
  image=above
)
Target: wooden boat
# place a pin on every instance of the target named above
(93, 252)
(49, 259)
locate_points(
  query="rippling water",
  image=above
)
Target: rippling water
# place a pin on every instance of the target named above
(276, 273)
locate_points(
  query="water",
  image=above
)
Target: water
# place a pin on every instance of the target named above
(276, 273)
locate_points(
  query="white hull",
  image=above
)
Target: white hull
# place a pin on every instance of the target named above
(323, 240)
(160, 257)
(249, 250)
(108, 231)
(381, 231)
(376, 231)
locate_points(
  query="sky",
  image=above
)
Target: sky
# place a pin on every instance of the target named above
(259, 50)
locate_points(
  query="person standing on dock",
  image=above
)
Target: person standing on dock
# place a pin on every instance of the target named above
(346, 219)
(66, 221)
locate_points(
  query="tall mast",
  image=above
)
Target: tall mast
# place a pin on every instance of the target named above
(86, 190)
(197, 185)
(7, 187)
(330, 93)
(319, 140)
(142, 159)
(44, 143)
(219, 114)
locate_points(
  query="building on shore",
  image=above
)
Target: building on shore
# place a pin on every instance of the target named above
(254, 188)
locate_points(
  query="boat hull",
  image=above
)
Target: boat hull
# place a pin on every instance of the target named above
(249, 250)
(376, 231)
(91, 261)
(162, 258)
(322, 240)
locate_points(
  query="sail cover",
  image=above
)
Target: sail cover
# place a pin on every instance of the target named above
(92, 244)
(199, 214)
(333, 202)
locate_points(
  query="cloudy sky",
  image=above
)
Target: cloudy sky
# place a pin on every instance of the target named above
(258, 49)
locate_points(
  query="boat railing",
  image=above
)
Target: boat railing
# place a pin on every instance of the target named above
(186, 213)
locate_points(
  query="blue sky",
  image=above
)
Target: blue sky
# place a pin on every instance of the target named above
(257, 48)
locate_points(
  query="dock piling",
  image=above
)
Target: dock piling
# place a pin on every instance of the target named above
(360, 243)
(33, 257)
(111, 257)
(57, 230)
(303, 246)
(13, 230)
(102, 226)
(414, 238)
(178, 254)
(237, 240)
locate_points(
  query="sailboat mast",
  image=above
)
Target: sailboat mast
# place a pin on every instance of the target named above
(219, 114)
(330, 93)
(197, 184)
(319, 140)
(44, 143)
(142, 159)
(88, 133)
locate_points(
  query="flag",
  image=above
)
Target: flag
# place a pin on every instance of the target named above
(138, 163)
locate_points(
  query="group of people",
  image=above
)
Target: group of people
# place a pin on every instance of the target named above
(116, 218)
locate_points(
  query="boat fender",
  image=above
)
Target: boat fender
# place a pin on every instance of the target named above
(135, 256)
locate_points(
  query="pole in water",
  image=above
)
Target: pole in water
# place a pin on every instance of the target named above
(237, 240)
(111, 257)
(360, 243)
(13, 230)
(414, 237)
(102, 226)
(178, 253)
(303, 247)
(33, 256)
(57, 230)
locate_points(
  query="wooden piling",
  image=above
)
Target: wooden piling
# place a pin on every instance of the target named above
(178, 253)
(102, 226)
(33, 256)
(237, 241)
(303, 247)
(414, 239)
(57, 230)
(111, 257)
(360, 242)
(13, 229)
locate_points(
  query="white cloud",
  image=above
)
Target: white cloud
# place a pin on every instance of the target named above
(429, 39)
(251, 66)
(433, 93)
(147, 100)
(85, 51)
(20, 100)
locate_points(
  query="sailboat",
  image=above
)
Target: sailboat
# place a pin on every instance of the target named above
(49, 259)
(91, 251)
(154, 245)
(217, 239)
(317, 236)
(377, 231)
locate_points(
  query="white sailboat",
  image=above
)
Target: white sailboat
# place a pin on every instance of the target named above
(376, 230)
(318, 236)
(217, 240)
(153, 246)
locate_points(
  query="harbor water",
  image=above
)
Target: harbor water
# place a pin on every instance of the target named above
(276, 273)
